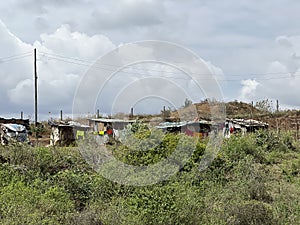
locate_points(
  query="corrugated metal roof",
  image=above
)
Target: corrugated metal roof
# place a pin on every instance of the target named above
(72, 124)
(248, 122)
(104, 120)
(15, 127)
(171, 124)
(181, 124)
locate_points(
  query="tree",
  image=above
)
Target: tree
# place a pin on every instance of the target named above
(187, 103)
(265, 105)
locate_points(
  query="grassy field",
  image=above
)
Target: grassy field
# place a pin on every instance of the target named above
(254, 179)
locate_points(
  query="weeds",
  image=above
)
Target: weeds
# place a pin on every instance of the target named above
(254, 179)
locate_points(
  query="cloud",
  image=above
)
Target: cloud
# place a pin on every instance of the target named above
(14, 63)
(41, 23)
(65, 56)
(129, 13)
(64, 41)
(248, 89)
(58, 77)
(153, 76)
(247, 40)
(281, 78)
(284, 41)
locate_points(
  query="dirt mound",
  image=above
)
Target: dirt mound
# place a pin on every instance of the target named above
(204, 110)
(240, 109)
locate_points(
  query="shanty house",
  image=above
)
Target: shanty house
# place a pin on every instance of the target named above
(107, 129)
(14, 129)
(10, 131)
(242, 126)
(199, 128)
(101, 124)
(66, 133)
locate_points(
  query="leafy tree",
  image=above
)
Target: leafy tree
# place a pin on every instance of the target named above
(265, 105)
(187, 103)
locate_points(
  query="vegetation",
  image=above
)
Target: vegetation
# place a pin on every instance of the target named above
(254, 179)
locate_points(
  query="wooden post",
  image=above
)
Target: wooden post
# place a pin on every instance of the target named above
(295, 123)
(61, 115)
(131, 113)
(251, 117)
(297, 133)
(21, 115)
(35, 93)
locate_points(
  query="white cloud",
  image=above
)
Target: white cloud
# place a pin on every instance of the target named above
(248, 90)
(58, 77)
(12, 69)
(281, 79)
(64, 41)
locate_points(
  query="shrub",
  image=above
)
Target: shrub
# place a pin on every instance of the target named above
(77, 184)
(24, 204)
(252, 212)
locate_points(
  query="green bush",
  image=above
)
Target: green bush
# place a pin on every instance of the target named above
(21, 203)
(252, 212)
(252, 179)
(77, 184)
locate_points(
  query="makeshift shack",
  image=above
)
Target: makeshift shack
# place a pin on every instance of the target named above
(24, 122)
(242, 126)
(14, 129)
(101, 124)
(10, 132)
(66, 133)
(106, 130)
(199, 128)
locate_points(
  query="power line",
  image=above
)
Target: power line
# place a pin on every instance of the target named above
(65, 57)
(110, 67)
(287, 75)
(93, 63)
(15, 57)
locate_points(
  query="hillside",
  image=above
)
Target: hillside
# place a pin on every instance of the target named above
(204, 110)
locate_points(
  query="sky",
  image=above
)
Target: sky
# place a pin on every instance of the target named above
(250, 47)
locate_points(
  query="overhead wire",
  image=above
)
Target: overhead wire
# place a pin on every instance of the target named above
(132, 70)
(15, 57)
(57, 56)
(262, 76)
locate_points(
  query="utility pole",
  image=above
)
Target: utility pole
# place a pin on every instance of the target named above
(131, 113)
(297, 132)
(251, 109)
(251, 117)
(35, 93)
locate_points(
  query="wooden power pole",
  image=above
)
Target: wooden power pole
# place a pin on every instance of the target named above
(35, 92)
